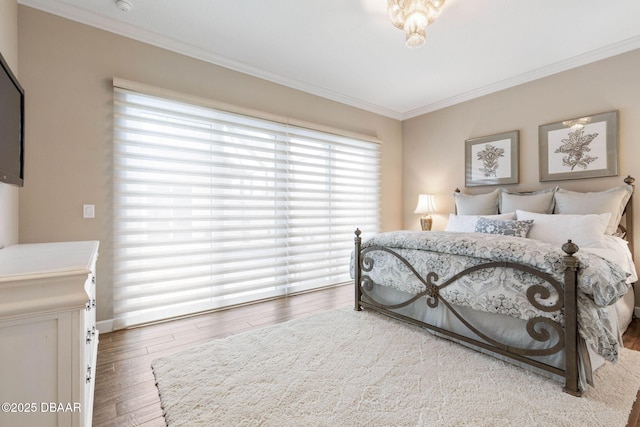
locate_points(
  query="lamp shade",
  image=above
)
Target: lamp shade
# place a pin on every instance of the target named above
(425, 204)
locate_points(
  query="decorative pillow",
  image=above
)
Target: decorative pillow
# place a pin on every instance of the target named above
(480, 204)
(533, 201)
(613, 201)
(504, 228)
(467, 223)
(583, 230)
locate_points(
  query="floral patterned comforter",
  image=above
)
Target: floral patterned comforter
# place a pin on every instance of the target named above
(501, 290)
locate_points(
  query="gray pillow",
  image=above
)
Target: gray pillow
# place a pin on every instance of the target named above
(480, 204)
(613, 200)
(541, 201)
(504, 228)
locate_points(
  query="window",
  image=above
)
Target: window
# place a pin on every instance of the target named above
(213, 208)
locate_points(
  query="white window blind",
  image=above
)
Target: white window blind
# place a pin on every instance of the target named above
(213, 208)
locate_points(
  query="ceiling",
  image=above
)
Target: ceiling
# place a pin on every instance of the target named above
(348, 51)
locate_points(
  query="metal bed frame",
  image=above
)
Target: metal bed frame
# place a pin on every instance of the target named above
(555, 336)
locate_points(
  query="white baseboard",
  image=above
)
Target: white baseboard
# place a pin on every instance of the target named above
(105, 326)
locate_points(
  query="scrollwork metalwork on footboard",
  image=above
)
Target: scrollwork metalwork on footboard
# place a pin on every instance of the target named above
(544, 330)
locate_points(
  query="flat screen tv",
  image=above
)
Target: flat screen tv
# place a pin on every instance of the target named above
(11, 127)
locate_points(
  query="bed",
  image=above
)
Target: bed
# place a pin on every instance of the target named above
(541, 279)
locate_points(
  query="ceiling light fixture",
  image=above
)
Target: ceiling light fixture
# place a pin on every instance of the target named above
(124, 5)
(413, 16)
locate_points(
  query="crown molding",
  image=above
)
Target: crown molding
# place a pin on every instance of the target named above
(129, 31)
(558, 67)
(111, 25)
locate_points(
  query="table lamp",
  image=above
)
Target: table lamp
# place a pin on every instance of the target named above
(425, 207)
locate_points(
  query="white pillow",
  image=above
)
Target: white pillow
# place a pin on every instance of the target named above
(613, 200)
(534, 201)
(467, 223)
(583, 230)
(479, 204)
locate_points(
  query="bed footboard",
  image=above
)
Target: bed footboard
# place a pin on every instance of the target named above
(553, 335)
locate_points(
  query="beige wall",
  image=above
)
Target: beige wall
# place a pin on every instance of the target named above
(433, 144)
(67, 69)
(9, 49)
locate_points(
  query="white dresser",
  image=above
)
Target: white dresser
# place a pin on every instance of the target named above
(48, 338)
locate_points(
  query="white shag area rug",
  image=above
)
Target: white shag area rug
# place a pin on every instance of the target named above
(347, 368)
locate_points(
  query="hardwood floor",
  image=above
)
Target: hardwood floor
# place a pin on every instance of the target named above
(126, 394)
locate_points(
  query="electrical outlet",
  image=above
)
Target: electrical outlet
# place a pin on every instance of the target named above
(88, 211)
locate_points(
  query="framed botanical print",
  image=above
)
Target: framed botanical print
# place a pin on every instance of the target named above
(584, 147)
(492, 160)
